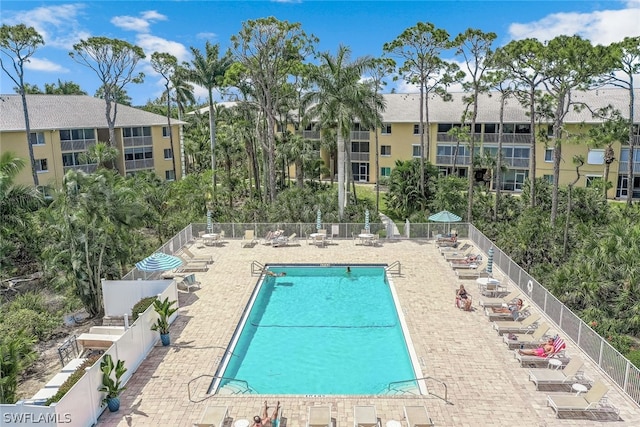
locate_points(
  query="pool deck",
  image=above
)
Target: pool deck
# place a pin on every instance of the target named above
(486, 385)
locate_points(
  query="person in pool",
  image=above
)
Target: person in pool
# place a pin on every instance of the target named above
(271, 273)
(265, 420)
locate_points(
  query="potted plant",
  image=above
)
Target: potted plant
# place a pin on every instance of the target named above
(165, 310)
(110, 385)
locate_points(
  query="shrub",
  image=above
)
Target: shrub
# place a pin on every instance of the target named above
(39, 324)
(634, 357)
(140, 307)
(73, 378)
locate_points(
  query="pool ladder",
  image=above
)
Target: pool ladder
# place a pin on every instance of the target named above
(234, 386)
(256, 268)
(395, 268)
(397, 388)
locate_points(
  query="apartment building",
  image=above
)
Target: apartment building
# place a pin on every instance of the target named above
(64, 126)
(399, 139)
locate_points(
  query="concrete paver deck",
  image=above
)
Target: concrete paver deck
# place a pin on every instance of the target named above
(486, 385)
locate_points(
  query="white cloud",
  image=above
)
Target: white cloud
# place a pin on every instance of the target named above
(153, 15)
(206, 36)
(36, 64)
(140, 24)
(131, 23)
(601, 27)
(150, 44)
(58, 25)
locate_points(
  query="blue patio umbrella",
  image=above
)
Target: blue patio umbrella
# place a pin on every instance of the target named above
(159, 261)
(319, 220)
(209, 222)
(367, 225)
(490, 261)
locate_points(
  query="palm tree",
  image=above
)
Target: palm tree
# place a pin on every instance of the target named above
(100, 153)
(208, 70)
(341, 96)
(15, 201)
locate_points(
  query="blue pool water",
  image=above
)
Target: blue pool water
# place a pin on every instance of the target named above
(319, 330)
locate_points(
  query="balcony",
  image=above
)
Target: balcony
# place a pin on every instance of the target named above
(76, 145)
(310, 134)
(137, 141)
(448, 160)
(360, 135)
(360, 157)
(84, 168)
(132, 165)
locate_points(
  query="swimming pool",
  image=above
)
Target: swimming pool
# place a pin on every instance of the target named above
(320, 330)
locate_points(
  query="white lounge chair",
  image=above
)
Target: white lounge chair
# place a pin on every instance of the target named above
(497, 302)
(589, 403)
(516, 327)
(559, 352)
(571, 374)
(213, 416)
(527, 340)
(365, 416)
(195, 258)
(191, 282)
(417, 416)
(248, 239)
(319, 416)
(283, 240)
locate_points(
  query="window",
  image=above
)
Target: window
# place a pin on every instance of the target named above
(385, 150)
(41, 165)
(168, 154)
(595, 157)
(491, 128)
(165, 131)
(385, 171)
(360, 147)
(76, 134)
(71, 159)
(36, 138)
(592, 179)
(523, 128)
(550, 130)
(138, 153)
(444, 127)
(139, 131)
(416, 150)
(170, 175)
(478, 128)
(548, 155)
(548, 178)
(386, 129)
(416, 129)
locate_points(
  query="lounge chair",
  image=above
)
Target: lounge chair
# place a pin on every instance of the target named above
(590, 403)
(319, 416)
(213, 416)
(365, 416)
(526, 340)
(248, 239)
(571, 374)
(516, 326)
(472, 265)
(512, 315)
(191, 282)
(497, 302)
(283, 240)
(451, 250)
(559, 352)
(464, 274)
(417, 416)
(193, 258)
(335, 232)
(320, 240)
(191, 267)
(457, 256)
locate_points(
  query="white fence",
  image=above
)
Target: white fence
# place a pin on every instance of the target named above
(82, 404)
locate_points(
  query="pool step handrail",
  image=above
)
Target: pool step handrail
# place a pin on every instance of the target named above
(246, 387)
(446, 394)
(395, 268)
(256, 268)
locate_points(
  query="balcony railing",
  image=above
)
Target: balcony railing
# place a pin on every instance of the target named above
(83, 168)
(508, 138)
(137, 141)
(76, 145)
(448, 160)
(360, 135)
(310, 134)
(132, 165)
(359, 157)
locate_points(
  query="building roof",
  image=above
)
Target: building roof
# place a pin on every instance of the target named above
(47, 112)
(405, 108)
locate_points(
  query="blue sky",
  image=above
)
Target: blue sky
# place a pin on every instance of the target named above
(364, 26)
